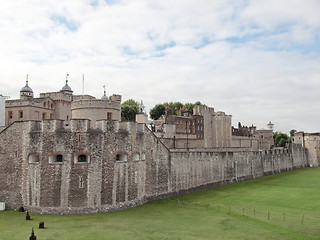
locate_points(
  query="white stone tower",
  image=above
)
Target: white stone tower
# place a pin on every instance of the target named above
(270, 126)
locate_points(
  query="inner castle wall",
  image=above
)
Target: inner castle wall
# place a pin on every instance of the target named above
(51, 169)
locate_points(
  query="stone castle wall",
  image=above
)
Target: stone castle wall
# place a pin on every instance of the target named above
(126, 165)
(198, 169)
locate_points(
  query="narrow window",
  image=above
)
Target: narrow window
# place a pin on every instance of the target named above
(44, 115)
(51, 116)
(10, 115)
(44, 104)
(51, 105)
(143, 156)
(67, 117)
(80, 182)
(135, 177)
(20, 114)
(109, 115)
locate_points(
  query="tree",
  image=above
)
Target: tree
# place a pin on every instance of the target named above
(160, 109)
(292, 132)
(280, 139)
(157, 111)
(129, 109)
(176, 106)
(190, 106)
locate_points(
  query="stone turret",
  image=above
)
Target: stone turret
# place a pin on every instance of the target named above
(26, 92)
(66, 88)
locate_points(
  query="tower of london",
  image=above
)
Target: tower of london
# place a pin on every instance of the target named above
(65, 153)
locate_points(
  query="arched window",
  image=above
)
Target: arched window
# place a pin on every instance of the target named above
(135, 156)
(56, 158)
(121, 157)
(33, 158)
(81, 158)
(44, 104)
(143, 156)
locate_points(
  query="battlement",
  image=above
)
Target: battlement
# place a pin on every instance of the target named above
(57, 96)
(83, 125)
(94, 103)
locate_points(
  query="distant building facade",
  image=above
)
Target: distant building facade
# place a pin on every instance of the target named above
(61, 105)
(205, 128)
(310, 141)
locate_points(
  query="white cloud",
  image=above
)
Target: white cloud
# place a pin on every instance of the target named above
(257, 60)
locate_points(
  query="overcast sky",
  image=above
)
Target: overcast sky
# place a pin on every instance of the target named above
(258, 60)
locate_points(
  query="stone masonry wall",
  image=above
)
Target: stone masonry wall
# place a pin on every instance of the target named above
(197, 169)
(51, 169)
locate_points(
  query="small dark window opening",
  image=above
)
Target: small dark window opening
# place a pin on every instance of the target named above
(80, 182)
(59, 158)
(82, 158)
(121, 157)
(21, 114)
(10, 114)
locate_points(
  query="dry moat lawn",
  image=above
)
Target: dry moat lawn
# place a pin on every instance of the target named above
(282, 206)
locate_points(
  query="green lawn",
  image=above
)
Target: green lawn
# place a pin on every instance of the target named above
(282, 206)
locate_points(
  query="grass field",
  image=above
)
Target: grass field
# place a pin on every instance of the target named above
(282, 206)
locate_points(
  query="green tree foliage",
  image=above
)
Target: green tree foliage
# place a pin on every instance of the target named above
(176, 106)
(157, 111)
(292, 132)
(129, 109)
(280, 139)
(190, 106)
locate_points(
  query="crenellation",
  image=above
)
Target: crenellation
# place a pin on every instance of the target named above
(80, 162)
